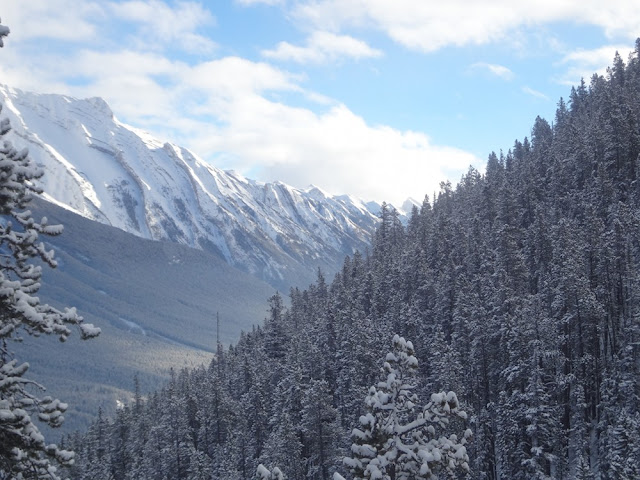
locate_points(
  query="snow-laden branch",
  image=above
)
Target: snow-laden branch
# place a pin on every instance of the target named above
(22, 446)
(398, 439)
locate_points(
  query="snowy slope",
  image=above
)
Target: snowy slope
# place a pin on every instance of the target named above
(118, 175)
(156, 303)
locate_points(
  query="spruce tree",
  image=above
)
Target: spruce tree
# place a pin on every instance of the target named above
(398, 440)
(23, 450)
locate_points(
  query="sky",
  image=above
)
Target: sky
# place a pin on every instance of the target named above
(383, 100)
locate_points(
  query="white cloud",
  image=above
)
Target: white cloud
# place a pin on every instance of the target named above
(582, 64)
(231, 76)
(430, 25)
(161, 24)
(67, 20)
(222, 110)
(497, 70)
(323, 47)
(158, 24)
(337, 150)
(226, 110)
(534, 93)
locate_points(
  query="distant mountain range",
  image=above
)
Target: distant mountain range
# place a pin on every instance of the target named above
(121, 176)
(156, 303)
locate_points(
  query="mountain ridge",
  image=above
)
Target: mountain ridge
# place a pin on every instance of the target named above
(155, 302)
(119, 175)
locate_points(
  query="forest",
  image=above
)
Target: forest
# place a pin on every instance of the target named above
(518, 288)
(510, 303)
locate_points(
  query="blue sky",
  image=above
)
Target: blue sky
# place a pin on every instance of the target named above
(379, 99)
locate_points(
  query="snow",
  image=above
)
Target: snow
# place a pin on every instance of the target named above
(408, 205)
(53, 229)
(317, 193)
(120, 175)
(263, 472)
(6, 415)
(397, 432)
(65, 455)
(88, 330)
(149, 140)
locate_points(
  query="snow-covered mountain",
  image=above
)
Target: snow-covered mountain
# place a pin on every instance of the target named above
(121, 176)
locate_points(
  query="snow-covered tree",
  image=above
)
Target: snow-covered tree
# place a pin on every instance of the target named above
(285, 449)
(399, 440)
(4, 31)
(320, 426)
(264, 473)
(521, 286)
(23, 451)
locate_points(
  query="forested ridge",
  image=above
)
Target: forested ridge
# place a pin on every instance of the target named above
(519, 289)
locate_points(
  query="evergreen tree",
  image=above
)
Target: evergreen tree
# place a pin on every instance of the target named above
(23, 451)
(398, 439)
(284, 448)
(320, 425)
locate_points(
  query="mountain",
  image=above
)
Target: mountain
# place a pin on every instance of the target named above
(156, 303)
(121, 176)
(157, 243)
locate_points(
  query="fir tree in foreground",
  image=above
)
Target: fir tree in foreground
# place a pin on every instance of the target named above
(24, 454)
(398, 439)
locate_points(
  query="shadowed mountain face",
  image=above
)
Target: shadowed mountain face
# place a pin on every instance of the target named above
(120, 176)
(157, 289)
(156, 303)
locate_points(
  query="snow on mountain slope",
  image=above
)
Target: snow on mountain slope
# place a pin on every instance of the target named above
(118, 175)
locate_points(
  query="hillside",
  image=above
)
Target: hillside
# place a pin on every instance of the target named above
(157, 243)
(156, 303)
(520, 289)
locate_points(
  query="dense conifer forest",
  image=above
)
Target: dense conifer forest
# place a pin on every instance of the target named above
(518, 289)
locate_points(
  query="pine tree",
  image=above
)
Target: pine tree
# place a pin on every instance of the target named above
(320, 426)
(285, 449)
(521, 286)
(23, 451)
(398, 440)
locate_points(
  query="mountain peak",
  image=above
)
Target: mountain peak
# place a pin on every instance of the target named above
(317, 192)
(100, 105)
(408, 205)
